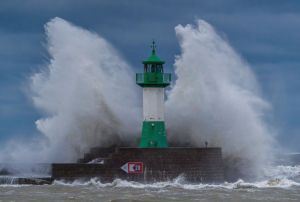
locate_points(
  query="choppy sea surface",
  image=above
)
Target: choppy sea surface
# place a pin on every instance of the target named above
(281, 183)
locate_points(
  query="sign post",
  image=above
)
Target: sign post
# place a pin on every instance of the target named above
(133, 167)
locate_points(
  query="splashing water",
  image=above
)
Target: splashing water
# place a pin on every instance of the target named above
(179, 182)
(216, 98)
(89, 98)
(282, 171)
(87, 92)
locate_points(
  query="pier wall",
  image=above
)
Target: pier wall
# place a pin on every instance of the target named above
(202, 165)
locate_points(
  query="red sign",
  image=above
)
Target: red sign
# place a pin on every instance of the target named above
(133, 167)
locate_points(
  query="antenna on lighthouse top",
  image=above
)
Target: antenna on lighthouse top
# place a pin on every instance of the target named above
(153, 47)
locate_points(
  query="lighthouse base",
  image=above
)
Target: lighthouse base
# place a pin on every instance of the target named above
(196, 165)
(153, 135)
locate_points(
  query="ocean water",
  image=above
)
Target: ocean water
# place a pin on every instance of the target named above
(281, 183)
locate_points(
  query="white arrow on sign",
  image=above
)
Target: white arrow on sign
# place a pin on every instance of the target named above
(125, 167)
(133, 167)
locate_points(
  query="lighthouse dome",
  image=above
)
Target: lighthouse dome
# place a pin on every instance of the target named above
(153, 59)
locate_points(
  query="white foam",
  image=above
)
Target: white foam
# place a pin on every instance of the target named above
(281, 172)
(279, 183)
(181, 183)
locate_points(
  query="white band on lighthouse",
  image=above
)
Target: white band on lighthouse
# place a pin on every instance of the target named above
(153, 104)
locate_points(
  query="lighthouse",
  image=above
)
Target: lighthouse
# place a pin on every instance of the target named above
(153, 81)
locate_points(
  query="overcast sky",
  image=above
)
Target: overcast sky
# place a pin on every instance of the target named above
(265, 33)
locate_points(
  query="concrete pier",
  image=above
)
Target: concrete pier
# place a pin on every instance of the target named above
(197, 165)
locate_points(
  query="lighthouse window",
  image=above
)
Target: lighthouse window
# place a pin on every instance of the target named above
(158, 68)
(147, 68)
(153, 68)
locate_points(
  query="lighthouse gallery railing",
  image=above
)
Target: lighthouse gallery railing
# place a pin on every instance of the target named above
(153, 77)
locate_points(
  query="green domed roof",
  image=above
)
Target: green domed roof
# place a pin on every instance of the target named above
(153, 59)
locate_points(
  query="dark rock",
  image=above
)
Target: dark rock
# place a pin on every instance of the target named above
(35, 181)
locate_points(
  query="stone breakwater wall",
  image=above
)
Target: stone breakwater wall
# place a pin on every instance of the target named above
(202, 165)
(97, 152)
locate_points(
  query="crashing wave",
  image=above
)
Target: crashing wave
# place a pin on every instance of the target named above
(180, 182)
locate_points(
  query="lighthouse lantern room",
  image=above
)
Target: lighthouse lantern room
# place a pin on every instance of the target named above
(153, 81)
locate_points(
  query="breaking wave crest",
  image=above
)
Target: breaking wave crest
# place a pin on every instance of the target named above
(281, 171)
(180, 183)
(275, 177)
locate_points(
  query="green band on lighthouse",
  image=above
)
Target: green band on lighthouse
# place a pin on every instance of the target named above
(153, 135)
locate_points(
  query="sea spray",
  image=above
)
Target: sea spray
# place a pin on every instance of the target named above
(280, 172)
(87, 92)
(88, 97)
(216, 98)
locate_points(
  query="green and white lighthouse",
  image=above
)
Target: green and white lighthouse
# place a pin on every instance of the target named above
(153, 81)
